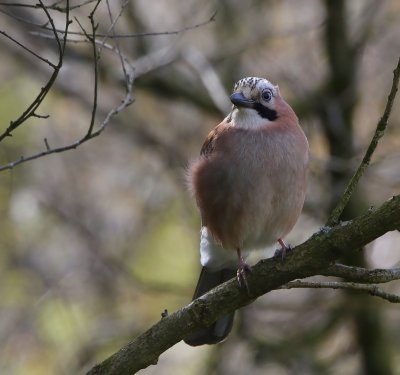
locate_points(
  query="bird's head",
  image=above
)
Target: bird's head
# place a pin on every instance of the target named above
(255, 102)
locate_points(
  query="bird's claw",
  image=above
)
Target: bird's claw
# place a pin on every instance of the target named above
(242, 272)
(282, 252)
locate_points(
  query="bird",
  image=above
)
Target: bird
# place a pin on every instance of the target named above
(249, 184)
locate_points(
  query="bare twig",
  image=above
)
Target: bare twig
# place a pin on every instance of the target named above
(91, 133)
(19, 5)
(128, 71)
(53, 6)
(380, 130)
(371, 289)
(46, 143)
(92, 38)
(362, 275)
(125, 103)
(114, 36)
(112, 30)
(30, 111)
(107, 46)
(28, 49)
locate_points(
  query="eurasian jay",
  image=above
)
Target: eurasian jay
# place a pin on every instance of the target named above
(250, 183)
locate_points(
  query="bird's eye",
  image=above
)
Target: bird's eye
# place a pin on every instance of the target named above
(267, 95)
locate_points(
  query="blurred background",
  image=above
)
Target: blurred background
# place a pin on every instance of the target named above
(96, 242)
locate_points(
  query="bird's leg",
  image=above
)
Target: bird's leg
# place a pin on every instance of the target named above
(242, 271)
(283, 250)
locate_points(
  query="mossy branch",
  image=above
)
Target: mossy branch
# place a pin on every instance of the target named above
(314, 257)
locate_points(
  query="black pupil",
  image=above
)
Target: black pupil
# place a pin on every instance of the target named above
(267, 95)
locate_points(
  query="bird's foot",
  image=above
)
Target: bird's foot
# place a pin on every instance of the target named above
(243, 270)
(283, 250)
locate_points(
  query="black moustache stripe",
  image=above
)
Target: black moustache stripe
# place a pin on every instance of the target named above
(265, 112)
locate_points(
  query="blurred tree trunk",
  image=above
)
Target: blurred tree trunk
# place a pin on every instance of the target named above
(336, 112)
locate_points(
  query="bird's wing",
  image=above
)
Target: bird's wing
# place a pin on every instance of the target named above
(209, 143)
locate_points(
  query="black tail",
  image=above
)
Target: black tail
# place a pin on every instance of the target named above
(221, 328)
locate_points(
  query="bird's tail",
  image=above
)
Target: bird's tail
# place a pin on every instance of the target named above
(220, 328)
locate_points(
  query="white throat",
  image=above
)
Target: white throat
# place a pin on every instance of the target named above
(248, 118)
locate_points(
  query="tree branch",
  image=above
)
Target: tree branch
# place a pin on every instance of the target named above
(92, 132)
(112, 36)
(372, 289)
(362, 275)
(30, 111)
(129, 72)
(380, 130)
(33, 53)
(54, 6)
(312, 257)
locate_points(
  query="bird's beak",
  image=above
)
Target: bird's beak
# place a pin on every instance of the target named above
(240, 101)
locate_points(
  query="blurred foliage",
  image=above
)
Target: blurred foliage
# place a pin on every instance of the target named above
(97, 242)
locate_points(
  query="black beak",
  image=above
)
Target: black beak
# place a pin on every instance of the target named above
(240, 101)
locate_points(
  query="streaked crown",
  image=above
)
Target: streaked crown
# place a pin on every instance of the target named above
(253, 87)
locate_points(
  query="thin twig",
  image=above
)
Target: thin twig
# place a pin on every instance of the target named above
(117, 45)
(127, 36)
(144, 64)
(40, 116)
(362, 275)
(96, 56)
(19, 5)
(28, 49)
(46, 144)
(111, 30)
(31, 110)
(128, 99)
(96, 69)
(53, 28)
(53, 6)
(380, 130)
(371, 289)
(125, 103)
